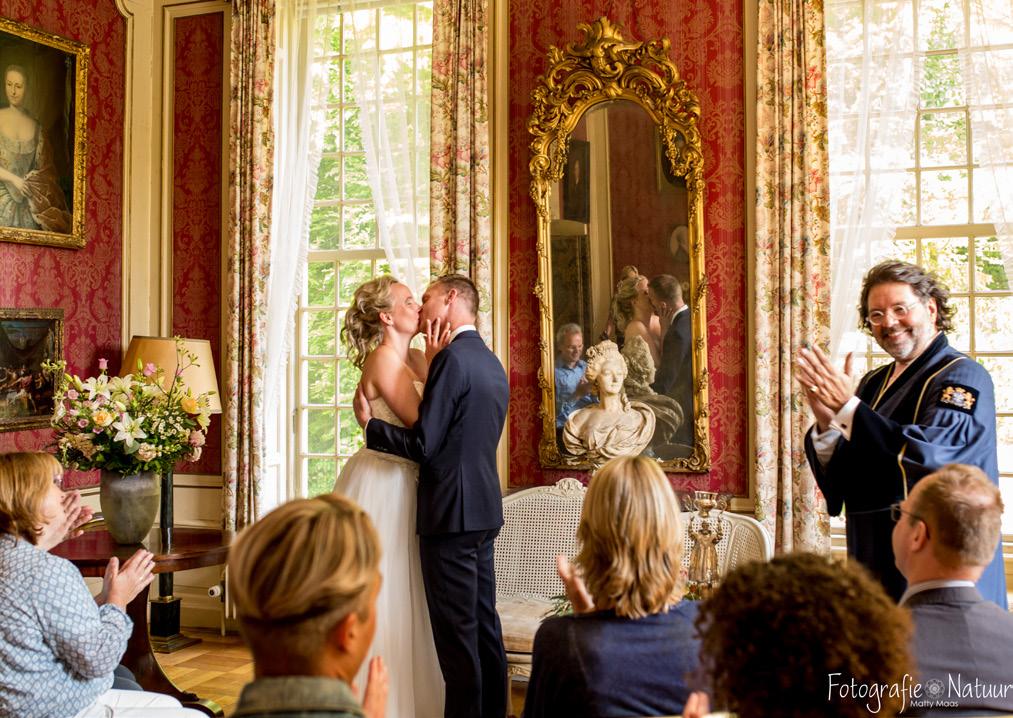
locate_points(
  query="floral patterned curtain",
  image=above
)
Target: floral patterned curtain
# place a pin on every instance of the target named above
(460, 220)
(251, 154)
(792, 278)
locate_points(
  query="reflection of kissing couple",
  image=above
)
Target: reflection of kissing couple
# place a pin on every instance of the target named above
(429, 466)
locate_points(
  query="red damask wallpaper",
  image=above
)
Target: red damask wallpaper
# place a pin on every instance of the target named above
(706, 38)
(85, 283)
(197, 198)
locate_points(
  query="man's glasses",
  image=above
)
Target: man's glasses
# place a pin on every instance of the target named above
(898, 311)
(896, 512)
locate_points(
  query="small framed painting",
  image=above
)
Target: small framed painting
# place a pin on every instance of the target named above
(28, 337)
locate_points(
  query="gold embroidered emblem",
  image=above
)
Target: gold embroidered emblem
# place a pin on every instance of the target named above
(959, 397)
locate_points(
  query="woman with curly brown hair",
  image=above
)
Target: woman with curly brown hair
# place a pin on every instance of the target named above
(804, 635)
(629, 649)
(379, 327)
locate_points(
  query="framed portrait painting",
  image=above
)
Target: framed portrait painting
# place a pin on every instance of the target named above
(28, 337)
(577, 182)
(42, 136)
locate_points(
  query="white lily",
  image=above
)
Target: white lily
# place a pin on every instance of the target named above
(121, 384)
(96, 386)
(128, 429)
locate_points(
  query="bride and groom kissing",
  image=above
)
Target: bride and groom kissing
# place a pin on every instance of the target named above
(432, 421)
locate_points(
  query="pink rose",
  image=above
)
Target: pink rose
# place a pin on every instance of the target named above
(196, 438)
(82, 423)
(149, 369)
(72, 394)
(103, 364)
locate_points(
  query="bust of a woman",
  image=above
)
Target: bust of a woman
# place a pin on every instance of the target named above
(614, 427)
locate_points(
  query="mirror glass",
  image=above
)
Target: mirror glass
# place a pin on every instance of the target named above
(617, 219)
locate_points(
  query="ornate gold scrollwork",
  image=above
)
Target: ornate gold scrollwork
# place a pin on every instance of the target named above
(601, 68)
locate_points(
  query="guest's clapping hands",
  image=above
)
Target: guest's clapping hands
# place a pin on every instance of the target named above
(827, 388)
(576, 591)
(697, 705)
(122, 583)
(66, 522)
(437, 337)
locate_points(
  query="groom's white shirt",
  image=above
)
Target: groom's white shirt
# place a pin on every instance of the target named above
(462, 328)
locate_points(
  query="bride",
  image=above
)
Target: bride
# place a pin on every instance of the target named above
(379, 325)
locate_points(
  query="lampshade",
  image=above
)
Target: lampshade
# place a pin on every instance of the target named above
(161, 351)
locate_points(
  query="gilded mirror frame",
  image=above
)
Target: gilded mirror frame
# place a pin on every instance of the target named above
(604, 67)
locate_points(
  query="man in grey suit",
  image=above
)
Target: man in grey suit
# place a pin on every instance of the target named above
(945, 535)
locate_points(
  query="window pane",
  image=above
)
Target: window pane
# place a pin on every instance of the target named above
(985, 195)
(992, 323)
(320, 431)
(397, 26)
(348, 379)
(320, 284)
(320, 381)
(324, 227)
(1001, 369)
(905, 250)
(319, 332)
(321, 475)
(353, 131)
(942, 84)
(1004, 430)
(943, 139)
(351, 434)
(424, 23)
(960, 337)
(990, 270)
(944, 197)
(356, 181)
(398, 78)
(329, 179)
(352, 273)
(360, 226)
(948, 258)
(940, 24)
(904, 214)
(332, 129)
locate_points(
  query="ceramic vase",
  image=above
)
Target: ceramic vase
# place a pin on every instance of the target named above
(129, 504)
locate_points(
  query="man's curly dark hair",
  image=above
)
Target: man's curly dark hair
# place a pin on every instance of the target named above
(773, 633)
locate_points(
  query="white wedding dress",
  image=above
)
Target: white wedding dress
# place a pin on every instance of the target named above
(385, 486)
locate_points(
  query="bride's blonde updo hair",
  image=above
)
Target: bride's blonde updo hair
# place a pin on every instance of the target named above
(363, 329)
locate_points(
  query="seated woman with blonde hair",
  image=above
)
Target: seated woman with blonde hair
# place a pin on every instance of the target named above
(630, 647)
(59, 647)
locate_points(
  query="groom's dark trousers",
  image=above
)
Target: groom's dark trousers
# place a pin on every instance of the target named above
(460, 512)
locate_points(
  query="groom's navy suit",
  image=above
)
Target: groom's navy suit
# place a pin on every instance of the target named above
(460, 512)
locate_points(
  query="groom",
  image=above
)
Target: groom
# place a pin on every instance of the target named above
(460, 508)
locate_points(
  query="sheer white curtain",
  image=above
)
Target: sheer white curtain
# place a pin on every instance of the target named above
(299, 92)
(987, 71)
(872, 97)
(384, 87)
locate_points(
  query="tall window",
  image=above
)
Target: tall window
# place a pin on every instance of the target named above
(944, 221)
(344, 250)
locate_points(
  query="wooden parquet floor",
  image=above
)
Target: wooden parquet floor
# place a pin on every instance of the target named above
(219, 666)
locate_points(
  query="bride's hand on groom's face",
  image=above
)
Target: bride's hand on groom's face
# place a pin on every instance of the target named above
(437, 337)
(360, 404)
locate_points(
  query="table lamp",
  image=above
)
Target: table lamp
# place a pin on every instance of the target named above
(198, 378)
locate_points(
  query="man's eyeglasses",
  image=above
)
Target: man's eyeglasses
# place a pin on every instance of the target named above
(896, 512)
(898, 311)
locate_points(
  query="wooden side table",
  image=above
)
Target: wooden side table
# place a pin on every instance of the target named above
(191, 548)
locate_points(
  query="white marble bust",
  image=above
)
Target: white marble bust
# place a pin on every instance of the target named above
(615, 426)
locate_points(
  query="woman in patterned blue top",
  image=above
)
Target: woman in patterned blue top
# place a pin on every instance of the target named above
(58, 645)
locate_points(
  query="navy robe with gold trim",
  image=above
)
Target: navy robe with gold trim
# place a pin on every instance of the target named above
(940, 410)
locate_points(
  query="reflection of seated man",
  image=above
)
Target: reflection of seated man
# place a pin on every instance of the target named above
(946, 533)
(573, 390)
(674, 376)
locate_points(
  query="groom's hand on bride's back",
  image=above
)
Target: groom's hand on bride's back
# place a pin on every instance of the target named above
(360, 404)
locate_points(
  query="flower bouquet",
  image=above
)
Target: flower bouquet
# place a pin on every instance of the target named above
(135, 428)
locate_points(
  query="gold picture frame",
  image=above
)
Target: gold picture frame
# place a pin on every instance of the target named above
(603, 68)
(43, 136)
(28, 337)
